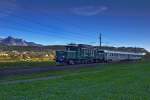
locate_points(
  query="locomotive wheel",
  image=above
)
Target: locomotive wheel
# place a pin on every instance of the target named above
(71, 62)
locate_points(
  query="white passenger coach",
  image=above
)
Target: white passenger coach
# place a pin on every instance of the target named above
(119, 56)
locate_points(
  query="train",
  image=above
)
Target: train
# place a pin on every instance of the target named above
(84, 54)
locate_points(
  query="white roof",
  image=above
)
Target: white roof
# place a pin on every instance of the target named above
(119, 52)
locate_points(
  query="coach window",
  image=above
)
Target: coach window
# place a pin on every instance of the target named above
(109, 54)
(116, 54)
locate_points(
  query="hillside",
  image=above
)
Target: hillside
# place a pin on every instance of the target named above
(11, 41)
(62, 47)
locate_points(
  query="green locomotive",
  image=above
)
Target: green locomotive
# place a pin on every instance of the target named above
(79, 54)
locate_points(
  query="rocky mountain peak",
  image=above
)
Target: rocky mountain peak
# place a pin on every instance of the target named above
(11, 41)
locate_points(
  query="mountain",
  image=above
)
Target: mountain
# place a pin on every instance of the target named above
(11, 41)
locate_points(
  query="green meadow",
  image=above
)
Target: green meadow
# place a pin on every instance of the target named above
(25, 64)
(122, 81)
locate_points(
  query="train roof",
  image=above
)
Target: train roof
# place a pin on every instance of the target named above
(119, 52)
(79, 45)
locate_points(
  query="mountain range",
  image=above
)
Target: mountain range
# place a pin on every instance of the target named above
(11, 41)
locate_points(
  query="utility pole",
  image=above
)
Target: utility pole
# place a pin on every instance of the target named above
(135, 50)
(100, 40)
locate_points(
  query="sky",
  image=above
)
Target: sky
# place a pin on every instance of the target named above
(48, 22)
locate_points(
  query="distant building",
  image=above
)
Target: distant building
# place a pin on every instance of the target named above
(3, 54)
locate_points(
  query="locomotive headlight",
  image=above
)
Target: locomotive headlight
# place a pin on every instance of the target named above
(62, 58)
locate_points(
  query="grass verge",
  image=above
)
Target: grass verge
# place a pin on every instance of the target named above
(25, 64)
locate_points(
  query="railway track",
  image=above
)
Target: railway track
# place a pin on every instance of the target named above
(24, 71)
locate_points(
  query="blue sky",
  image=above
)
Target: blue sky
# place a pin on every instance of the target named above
(121, 22)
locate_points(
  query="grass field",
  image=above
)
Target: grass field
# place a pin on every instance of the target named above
(104, 82)
(25, 64)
